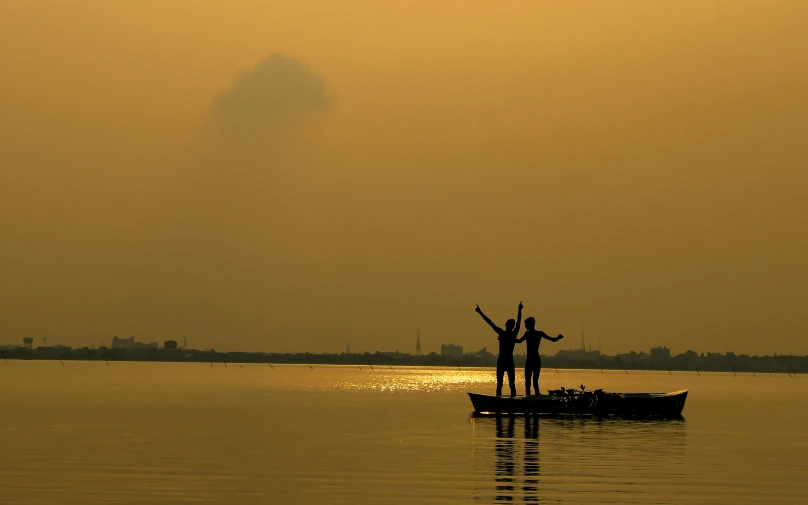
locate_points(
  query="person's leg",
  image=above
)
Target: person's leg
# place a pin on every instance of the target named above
(536, 374)
(528, 372)
(512, 378)
(500, 373)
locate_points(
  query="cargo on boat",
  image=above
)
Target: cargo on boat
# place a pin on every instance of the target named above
(582, 402)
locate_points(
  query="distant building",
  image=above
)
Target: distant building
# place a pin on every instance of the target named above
(170, 344)
(130, 343)
(578, 354)
(633, 357)
(28, 342)
(482, 353)
(660, 353)
(451, 350)
(52, 351)
(392, 354)
(10, 347)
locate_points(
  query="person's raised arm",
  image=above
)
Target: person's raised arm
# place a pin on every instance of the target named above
(490, 323)
(518, 319)
(521, 339)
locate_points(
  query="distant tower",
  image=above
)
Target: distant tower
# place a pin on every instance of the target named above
(583, 345)
(348, 348)
(28, 342)
(418, 344)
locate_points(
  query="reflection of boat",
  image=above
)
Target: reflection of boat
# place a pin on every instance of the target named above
(576, 402)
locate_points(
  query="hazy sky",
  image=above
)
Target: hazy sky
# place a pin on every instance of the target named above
(293, 175)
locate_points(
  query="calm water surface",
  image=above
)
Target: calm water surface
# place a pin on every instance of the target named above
(151, 433)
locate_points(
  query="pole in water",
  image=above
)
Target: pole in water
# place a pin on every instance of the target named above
(240, 366)
(107, 362)
(371, 365)
(794, 371)
(697, 371)
(625, 371)
(770, 372)
(753, 374)
(733, 371)
(601, 371)
(311, 367)
(270, 365)
(62, 362)
(458, 364)
(225, 363)
(669, 371)
(4, 357)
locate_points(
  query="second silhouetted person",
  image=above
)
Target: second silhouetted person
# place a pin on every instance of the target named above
(533, 360)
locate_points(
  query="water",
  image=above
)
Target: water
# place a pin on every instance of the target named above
(151, 433)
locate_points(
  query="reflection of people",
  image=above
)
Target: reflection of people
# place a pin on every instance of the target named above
(505, 465)
(530, 486)
(533, 360)
(507, 341)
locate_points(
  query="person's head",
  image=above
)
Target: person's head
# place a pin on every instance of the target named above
(530, 323)
(509, 324)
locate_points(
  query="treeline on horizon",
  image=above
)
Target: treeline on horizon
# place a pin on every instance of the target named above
(687, 361)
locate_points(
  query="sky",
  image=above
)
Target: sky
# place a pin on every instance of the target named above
(295, 175)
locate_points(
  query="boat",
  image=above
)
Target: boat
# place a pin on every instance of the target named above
(583, 402)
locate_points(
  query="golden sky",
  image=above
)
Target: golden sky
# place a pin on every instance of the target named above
(292, 175)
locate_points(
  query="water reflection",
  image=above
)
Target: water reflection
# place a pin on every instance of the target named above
(597, 453)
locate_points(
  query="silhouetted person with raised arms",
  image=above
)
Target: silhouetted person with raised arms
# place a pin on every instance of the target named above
(507, 341)
(533, 361)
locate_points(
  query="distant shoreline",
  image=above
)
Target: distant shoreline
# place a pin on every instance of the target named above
(712, 362)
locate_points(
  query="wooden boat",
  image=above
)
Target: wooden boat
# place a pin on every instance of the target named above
(582, 402)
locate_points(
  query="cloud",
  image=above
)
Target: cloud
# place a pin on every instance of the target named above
(278, 90)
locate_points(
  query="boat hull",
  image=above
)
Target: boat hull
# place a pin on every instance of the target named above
(667, 405)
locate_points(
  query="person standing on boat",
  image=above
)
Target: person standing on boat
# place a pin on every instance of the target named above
(533, 360)
(507, 341)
